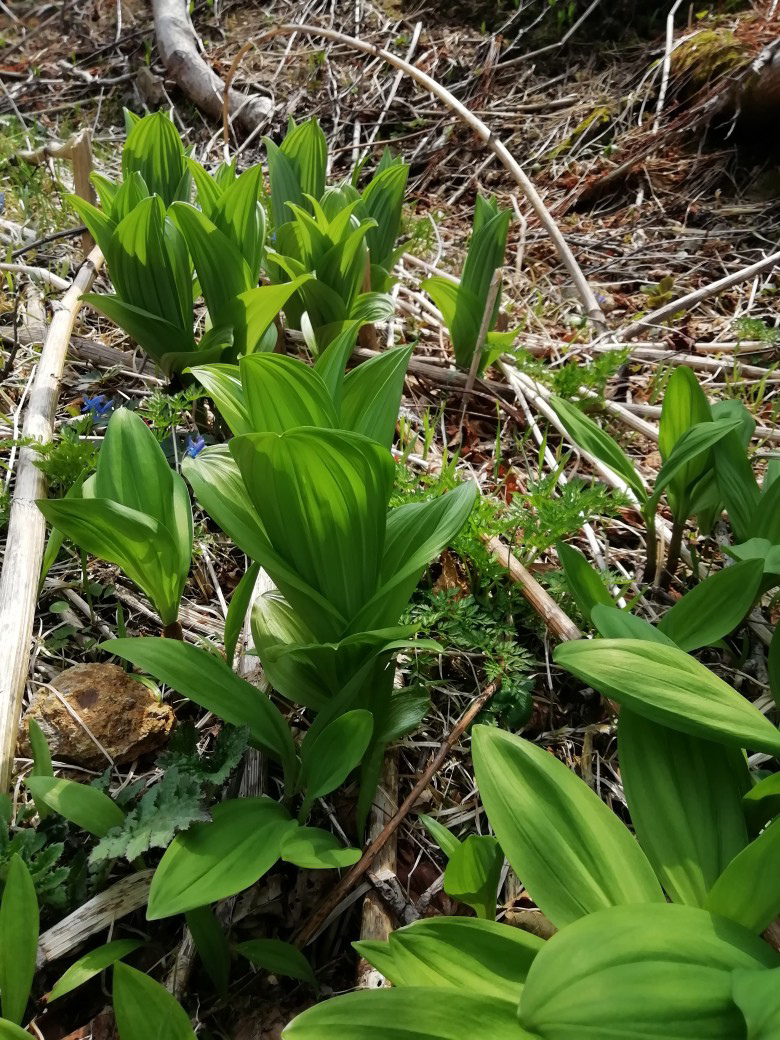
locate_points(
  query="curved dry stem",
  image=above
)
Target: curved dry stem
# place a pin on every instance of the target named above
(485, 134)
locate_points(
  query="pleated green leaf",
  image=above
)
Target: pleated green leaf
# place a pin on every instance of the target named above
(239, 215)
(372, 395)
(748, 890)
(714, 607)
(456, 953)
(283, 393)
(641, 971)
(145, 1009)
(569, 850)
(223, 385)
(240, 602)
(687, 452)
(668, 686)
(757, 995)
(18, 939)
(685, 799)
(154, 149)
(213, 861)
(157, 336)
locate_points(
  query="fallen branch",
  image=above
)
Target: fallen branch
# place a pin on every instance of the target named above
(185, 65)
(78, 149)
(321, 913)
(485, 134)
(26, 526)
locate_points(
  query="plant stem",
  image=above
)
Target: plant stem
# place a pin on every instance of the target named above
(673, 555)
(652, 550)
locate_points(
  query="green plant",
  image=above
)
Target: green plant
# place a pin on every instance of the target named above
(619, 942)
(18, 941)
(463, 303)
(134, 512)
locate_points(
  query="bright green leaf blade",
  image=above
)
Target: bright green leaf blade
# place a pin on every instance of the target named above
(473, 874)
(208, 681)
(239, 215)
(586, 434)
(614, 623)
(156, 335)
(442, 835)
(282, 393)
(312, 848)
(206, 186)
(684, 405)
(154, 149)
(757, 995)
(748, 890)
(212, 946)
(460, 953)
(668, 686)
(99, 224)
(90, 965)
(281, 958)
(41, 758)
(569, 850)
(690, 447)
(328, 760)
(737, 484)
(661, 971)
(145, 1009)
(714, 607)
(372, 395)
(11, 1031)
(762, 803)
(685, 799)
(223, 385)
(18, 939)
(132, 468)
(584, 582)
(85, 806)
(213, 861)
(240, 602)
(408, 1014)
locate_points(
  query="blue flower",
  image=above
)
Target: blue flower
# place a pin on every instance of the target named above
(98, 407)
(195, 447)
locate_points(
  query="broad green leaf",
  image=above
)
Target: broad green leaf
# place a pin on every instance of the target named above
(213, 861)
(240, 602)
(684, 405)
(766, 521)
(212, 946)
(282, 393)
(408, 1014)
(321, 496)
(641, 971)
(158, 336)
(737, 485)
(383, 200)
(252, 313)
(586, 434)
(314, 849)
(154, 149)
(762, 803)
(332, 361)
(285, 185)
(456, 953)
(714, 607)
(748, 890)
(41, 758)
(757, 995)
(99, 224)
(223, 385)
(239, 215)
(137, 543)
(85, 806)
(106, 189)
(565, 845)
(90, 965)
(11, 1031)
(208, 681)
(306, 148)
(330, 758)
(689, 448)
(416, 534)
(443, 836)
(614, 623)
(584, 582)
(473, 874)
(145, 1009)
(372, 395)
(668, 686)
(281, 958)
(209, 191)
(18, 939)
(684, 795)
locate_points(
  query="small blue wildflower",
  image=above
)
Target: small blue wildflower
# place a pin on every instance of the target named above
(194, 447)
(98, 407)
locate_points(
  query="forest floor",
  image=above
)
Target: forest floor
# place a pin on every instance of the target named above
(655, 197)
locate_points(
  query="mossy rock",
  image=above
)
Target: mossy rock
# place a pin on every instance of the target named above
(705, 58)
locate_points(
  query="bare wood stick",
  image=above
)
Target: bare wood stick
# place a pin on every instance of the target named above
(558, 622)
(334, 897)
(685, 303)
(79, 150)
(485, 134)
(185, 65)
(127, 895)
(26, 526)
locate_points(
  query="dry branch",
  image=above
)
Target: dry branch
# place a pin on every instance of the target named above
(184, 64)
(485, 134)
(79, 150)
(26, 526)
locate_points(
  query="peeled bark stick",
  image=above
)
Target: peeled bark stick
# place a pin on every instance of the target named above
(26, 526)
(559, 623)
(79, 150)
(485, 134)
(335, 896)
(185, 65)
(127, 895)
